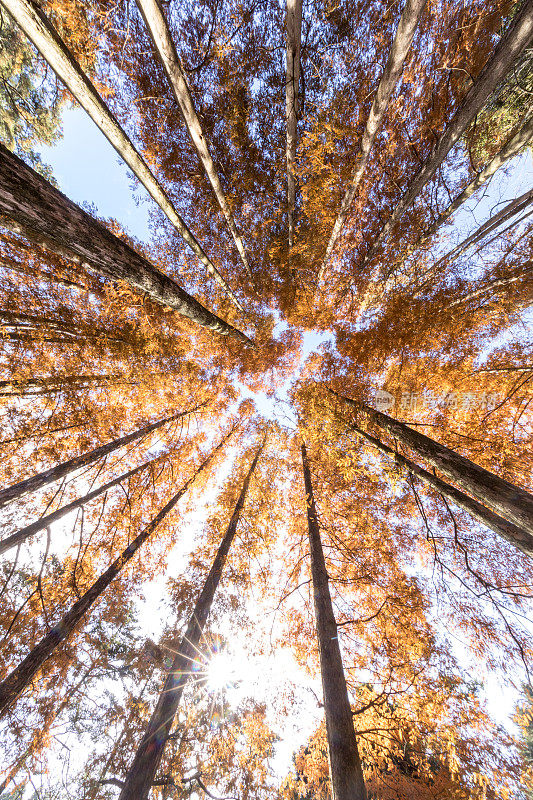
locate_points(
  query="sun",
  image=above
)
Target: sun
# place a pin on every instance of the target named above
(222, 670)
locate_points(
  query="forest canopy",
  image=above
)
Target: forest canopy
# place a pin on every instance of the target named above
(266, 474)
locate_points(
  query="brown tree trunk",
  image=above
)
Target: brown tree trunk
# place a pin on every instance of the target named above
(31, 206)
(25, 533)
(294, 36)
(21, 676)
(502, 497)
(390, 77)
(516, 536)
(38, 28)
(142, 773)
(156, 23)
(514, 41)
(347, 782)
(18, 490)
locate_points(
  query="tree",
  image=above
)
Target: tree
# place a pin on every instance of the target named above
(157, 25)
(294, 35)
(37, 27)
(19, 678)
(142, 772)
(345, 765)
(391, 74)
(516, 38)
(510, 501)
(32, 206)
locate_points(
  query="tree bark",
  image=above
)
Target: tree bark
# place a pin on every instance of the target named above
(38, 28)
(347, 782)
(516, 143)
(22, 488)
(500, 496)
(141, 775)
(294, 37)
(25, 533)
(21, 676)
(31, 206)
(516, 536)
(390, 77)
(156, 23)
(514, 41)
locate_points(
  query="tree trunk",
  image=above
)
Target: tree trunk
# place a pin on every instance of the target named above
(31, 206)
(347, 782)
(21, 676)
(511, 210)
(511, 148)
(156, 23)
(38, 28)
(518, 537)
(23, 534)
(141, 775)
(18, 490)
(294, 36)
(514, 41)
(502, 497)
(390, 77)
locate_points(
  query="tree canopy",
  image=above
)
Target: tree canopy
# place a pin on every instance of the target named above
(266, 478)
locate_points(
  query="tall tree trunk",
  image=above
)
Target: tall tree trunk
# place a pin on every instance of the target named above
(21, 676)
(502, 497)
(31, 206)
(38, 28)
(512, 147)
(511, 210)
(390, 77)
(514, 41)
(516, 536)
(156, 23)
(25, 533)
(294, 37)
(141, 775)
(18, 490)
(347, 782)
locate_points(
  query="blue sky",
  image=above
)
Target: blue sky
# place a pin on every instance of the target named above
(88, 169)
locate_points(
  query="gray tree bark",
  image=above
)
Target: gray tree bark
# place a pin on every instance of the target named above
(157, 24)
(38, 28)
(142, 773)
(294, 40)
(514, 41)
(347, 782)
(31, 206)
(500, 496)
(391, 75)
(18, 490)
(516, 536)
(21, 676)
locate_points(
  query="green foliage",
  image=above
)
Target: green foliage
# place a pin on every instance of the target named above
(30, 100)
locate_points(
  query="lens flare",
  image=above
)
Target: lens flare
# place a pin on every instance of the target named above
(222, 671)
